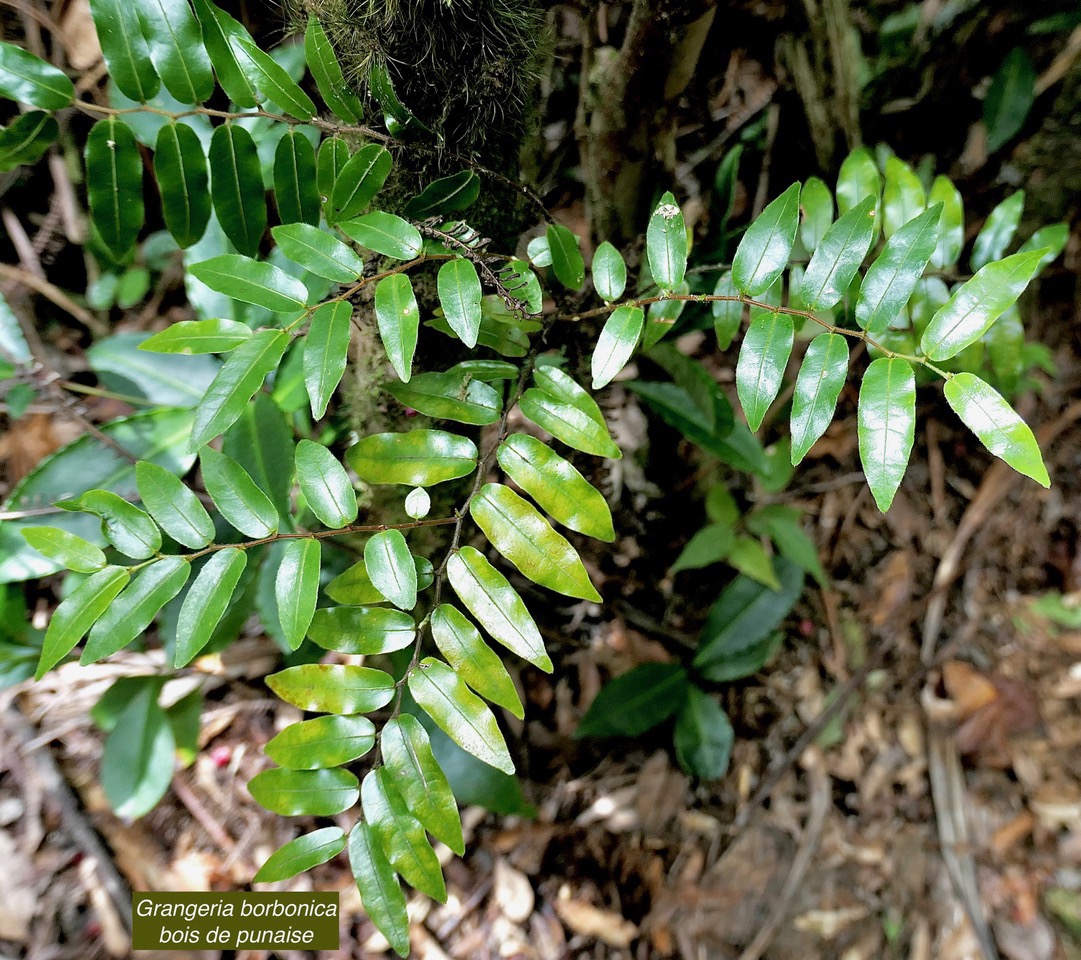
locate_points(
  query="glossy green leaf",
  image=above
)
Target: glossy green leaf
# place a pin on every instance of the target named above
(709, 545)
(296, 589)
(400, 835)
(635, 701)
(727, 314)
(782, 525)
(322, 742)
(176, 49)
(761, 365)
(319, 252)
(261, 441)
(139, 756)
(26, 139)
(518, 277)
(127, 527)
(236, 383)
(362, 630)
(821, 378)
(616, 344)
(206, 602)
(460, 297)
(326, 352)
(198, 337)
(134, 610)
(220, 32)
(816, 202)
(977, 304)
(983, 410)
(951, 226)
(77, 613)
(886, 426)
(857, 179)
(998, 231)
(903, 198)
(567, 262)
(609, 272)
(327, 72)
(331, 160)
(181, 170)
(380, 893)
(386, 234)
(358, 182)
(1009, 99)
(557, 486)
(330, 688)
(459, 712)
(175, 508)
(295, 187)
(125, 369)
(325, 485)
(236, 188)
(444, 196)
(703, 736)
(891, 279)
(564, 388)
(666, 244)
(299, 793)
(236, 495)
(355, 587)
(419, 458)
(763, 253)
(838, 257)
(391, 568)
(504, 339)
(115, 183)
(275, 83)
(381, 87)
(125, 49)
(528, 541)
(748, 661)
(73, 552)
(398, 317)
(25, 78)
(465, 650)
(449, 396)
(496, 606)
(302, 854)
(1051, 239)
(749, 557)
(568, 424)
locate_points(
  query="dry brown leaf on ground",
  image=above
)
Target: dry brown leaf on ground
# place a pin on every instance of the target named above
(587, 920)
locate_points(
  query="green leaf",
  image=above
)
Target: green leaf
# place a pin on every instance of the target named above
(557, 486)
(295, 188)
(460, 297)
(745, 614)
(838, 257)
(25, 78)
(400, 835)
(206, 602)
(127, 527)
(332, 158)
(449, 396)
(328, 76)
(995, 236)
(198, 337)
(951, 232)
(299, 793)
(330, 688)
(398, 317)
(26, 139)
(708, 546)
(115, 183)
(568, 424)
(380, 893)
(518, 277)
(821, 378)
(567, 262)
(477, 664)
(1051, 239)
(817, 203)
(761, 365)
(358, 182)
(361, 630)
(237, 190)
(703, 737)
(997, 425)
(858, 178)
(125, 48)
(381, 87)
(782, 525)
(220, 32)
(749, 558)
(77, 614)
(666, 244)
(321, 743)
(391, 569)
(459, 712)
(727, 314)
(325, 485)
(762, 254)
(237, 496)
(302, 854)
(419, 458)
(318, 252)
(902, 197)
(562, 387)
(1009, 99)
(886, 425)
(355, 587)
(262, 443)
(444, 196)
(496, 606)
(609, 272)
(386, 234)
(635, 701)
(181, 170)
(275, 83)
(65, 548)
(528, 541)
(616, 344)
(175, 508)
(408, 757)
(139, 756)
(176, 49)
(134, 610)
(296, 589)
(123, 368)
(236, 383)
(891, 279)
(748, 661)
(326, 352)
(977, 304)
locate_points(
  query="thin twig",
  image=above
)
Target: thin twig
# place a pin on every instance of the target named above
(55, 295)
